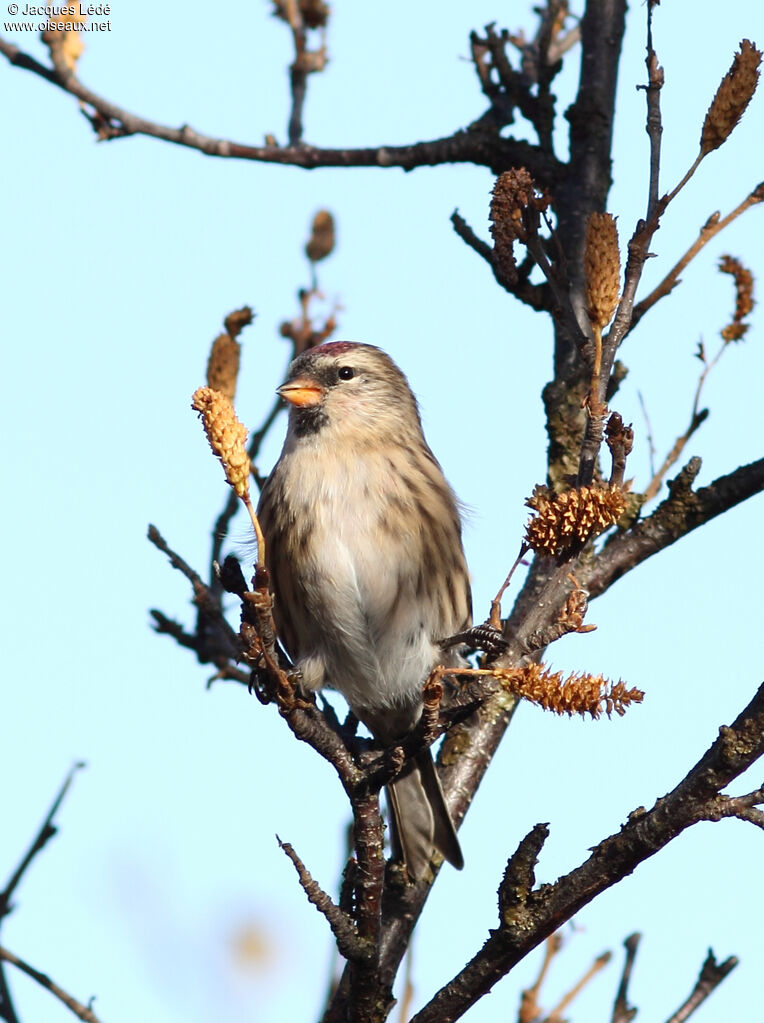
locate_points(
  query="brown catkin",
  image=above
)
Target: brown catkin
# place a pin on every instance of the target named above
(513, 192)
(321, 241)
(226, 435)
(223, 365)
(602, 268)
(732, 97)
(580, 693)
(737, 328)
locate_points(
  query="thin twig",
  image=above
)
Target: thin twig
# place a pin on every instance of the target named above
(350, 945)
(680, 513)
(537, 296)
(639, 247)
(407, 995)
(599, 964)
(223, 521)
(693, 167)
(217, 642)
(622, 1011)
(711, 976)
(742, 807)
(709, 230)
(649, 433)
(83, 1012)
(698, 416)
(46, 832)
(530, 1010)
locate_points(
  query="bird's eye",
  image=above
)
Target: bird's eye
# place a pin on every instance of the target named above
(346, 373)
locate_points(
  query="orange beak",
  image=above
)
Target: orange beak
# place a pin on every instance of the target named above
(302, 392)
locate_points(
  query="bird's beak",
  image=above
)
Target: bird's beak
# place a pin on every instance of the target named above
(302, 392)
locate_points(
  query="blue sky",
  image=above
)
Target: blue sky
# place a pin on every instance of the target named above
(120, 261)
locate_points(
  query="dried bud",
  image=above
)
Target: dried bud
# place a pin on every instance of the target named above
(321, 241)
(582, 693)
(732, 97)
(66, 47)
(602, 268)
(571, 517)
(226, 435)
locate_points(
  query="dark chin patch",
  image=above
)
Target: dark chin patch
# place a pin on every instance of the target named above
(309, 420)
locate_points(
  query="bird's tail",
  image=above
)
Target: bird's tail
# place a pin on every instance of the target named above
(421, 823)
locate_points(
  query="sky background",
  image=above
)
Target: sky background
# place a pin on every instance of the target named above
(165, 894)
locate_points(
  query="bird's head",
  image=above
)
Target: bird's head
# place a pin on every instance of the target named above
(347, 389)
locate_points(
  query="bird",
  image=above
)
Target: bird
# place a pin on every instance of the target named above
(368, 573)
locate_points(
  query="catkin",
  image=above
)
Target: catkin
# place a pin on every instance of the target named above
(321, 241)
(732, 97)
(579, 693)
(226, 435)
(602, 268)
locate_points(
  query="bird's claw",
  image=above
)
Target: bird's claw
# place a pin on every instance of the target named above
(481, 637)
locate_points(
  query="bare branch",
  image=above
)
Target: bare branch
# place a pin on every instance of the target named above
(683, 511)
(350, 945)
(83, 1012)
(46, 832)
(519, 877)
(541, 911)
(484, 147)
(216, 643)
(534, 295)
(742, 807)
(41, 839)
(530, 1010)
(305, 61)
(622, 1011)
(639, 247)
(711, 976)
(709, 230)
(599, 964)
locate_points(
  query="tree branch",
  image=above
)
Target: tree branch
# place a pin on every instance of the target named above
(46, 832)
(709, 230)
(646, 832)
(483, 146)
(711, 976)
(683, 511)
(622, 1011)
(216, 642)
(349, 944)
(83, 1012)
(639, 247)
(537, 296)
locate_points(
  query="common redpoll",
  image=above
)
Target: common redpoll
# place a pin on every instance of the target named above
(363, 542)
